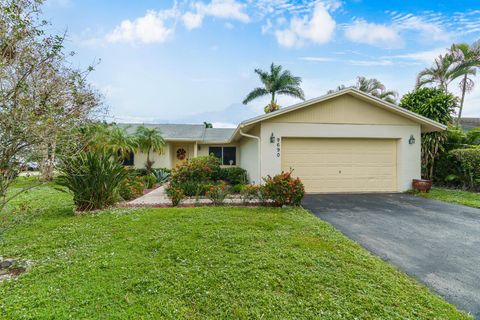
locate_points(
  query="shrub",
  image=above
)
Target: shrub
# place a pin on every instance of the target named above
(469, 166)
(250, 192)
(93, 178)
(131, 188)
(149, 180)
(238, 188)
(201, 169)
(175, 194)
(217, 193)
(234, 175)
(192, 188)
(282, 189)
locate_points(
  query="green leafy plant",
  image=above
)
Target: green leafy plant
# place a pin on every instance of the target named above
(250, 192)
(93, 178)
(149, 180)
(217, 193)
(283, 189)
(162, 175)
(131, 187)
(238, 188)
(175, 194)
(192, 188)
(233, 175)
(201, 169)
(469, 162)
(439, 106)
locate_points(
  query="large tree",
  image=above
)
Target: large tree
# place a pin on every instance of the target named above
(468, 58)
(373, 87)
(42, 99)
(276, 82)
(439, 106)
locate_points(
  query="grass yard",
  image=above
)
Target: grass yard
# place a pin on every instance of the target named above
(203, 263)
(466, 198)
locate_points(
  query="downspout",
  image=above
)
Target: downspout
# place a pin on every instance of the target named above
(259, 153)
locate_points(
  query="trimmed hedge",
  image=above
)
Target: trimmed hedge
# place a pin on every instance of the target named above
(468, 165)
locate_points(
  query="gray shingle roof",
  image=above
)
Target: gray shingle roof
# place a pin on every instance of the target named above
(218, 134)
(196, 132)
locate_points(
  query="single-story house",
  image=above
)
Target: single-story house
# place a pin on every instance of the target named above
(347, 141)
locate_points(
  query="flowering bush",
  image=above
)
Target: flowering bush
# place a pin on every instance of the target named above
(217, 193)
(200, 169)
(283, 189)
(175, 194)
(250, 192)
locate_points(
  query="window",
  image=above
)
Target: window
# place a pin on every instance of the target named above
(129, 160)
(227, 155)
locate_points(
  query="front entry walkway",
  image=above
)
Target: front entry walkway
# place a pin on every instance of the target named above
(158, 198)
(436, 242)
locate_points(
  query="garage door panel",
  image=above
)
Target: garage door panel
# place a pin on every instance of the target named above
(342, 165)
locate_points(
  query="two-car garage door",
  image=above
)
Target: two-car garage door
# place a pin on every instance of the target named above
(342, 165)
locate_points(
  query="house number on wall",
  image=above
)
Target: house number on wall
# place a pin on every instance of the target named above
(278, 147)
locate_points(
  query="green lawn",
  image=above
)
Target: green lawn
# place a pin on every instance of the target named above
(471, 199)
(204, 263)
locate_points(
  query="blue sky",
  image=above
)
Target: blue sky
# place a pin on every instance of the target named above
(193, 61)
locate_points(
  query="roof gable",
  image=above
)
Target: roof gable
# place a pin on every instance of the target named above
(427, 125)
(344, 109)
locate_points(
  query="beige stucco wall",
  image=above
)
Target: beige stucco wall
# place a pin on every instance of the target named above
(161, 160)
(408, 156)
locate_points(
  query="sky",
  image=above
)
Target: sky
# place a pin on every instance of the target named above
(193, 61)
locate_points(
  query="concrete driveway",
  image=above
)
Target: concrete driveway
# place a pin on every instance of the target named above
(436, 242)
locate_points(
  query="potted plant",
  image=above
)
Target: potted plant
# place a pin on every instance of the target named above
(422, 185)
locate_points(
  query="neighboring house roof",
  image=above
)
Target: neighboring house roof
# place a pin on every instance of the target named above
(427, 124)
(470, 123)
(185, 132)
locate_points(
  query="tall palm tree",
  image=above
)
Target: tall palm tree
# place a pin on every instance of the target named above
(149, 140)
(373, 87)
(276, 82)
(468, 56)
(445, 69)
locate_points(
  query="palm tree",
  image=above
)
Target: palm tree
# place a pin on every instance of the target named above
(376, 88)
(468, 56)
(149, 140)
(373, 87)
(109, 138)
(276, 82)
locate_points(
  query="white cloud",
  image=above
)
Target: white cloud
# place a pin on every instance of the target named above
(426, 57)
(429, 25)
(318, 28)
(224, 9)
(361, 31)
(151, 28)
(316, 59)
(192, 20)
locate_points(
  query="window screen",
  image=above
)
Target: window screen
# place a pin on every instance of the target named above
(229, 156)
(216, 151)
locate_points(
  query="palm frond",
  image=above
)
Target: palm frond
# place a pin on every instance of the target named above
(255, 93)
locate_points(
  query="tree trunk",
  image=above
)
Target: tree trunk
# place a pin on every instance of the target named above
(464, 89)
(48, 161)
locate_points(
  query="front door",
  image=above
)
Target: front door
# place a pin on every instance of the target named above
(180, 154)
